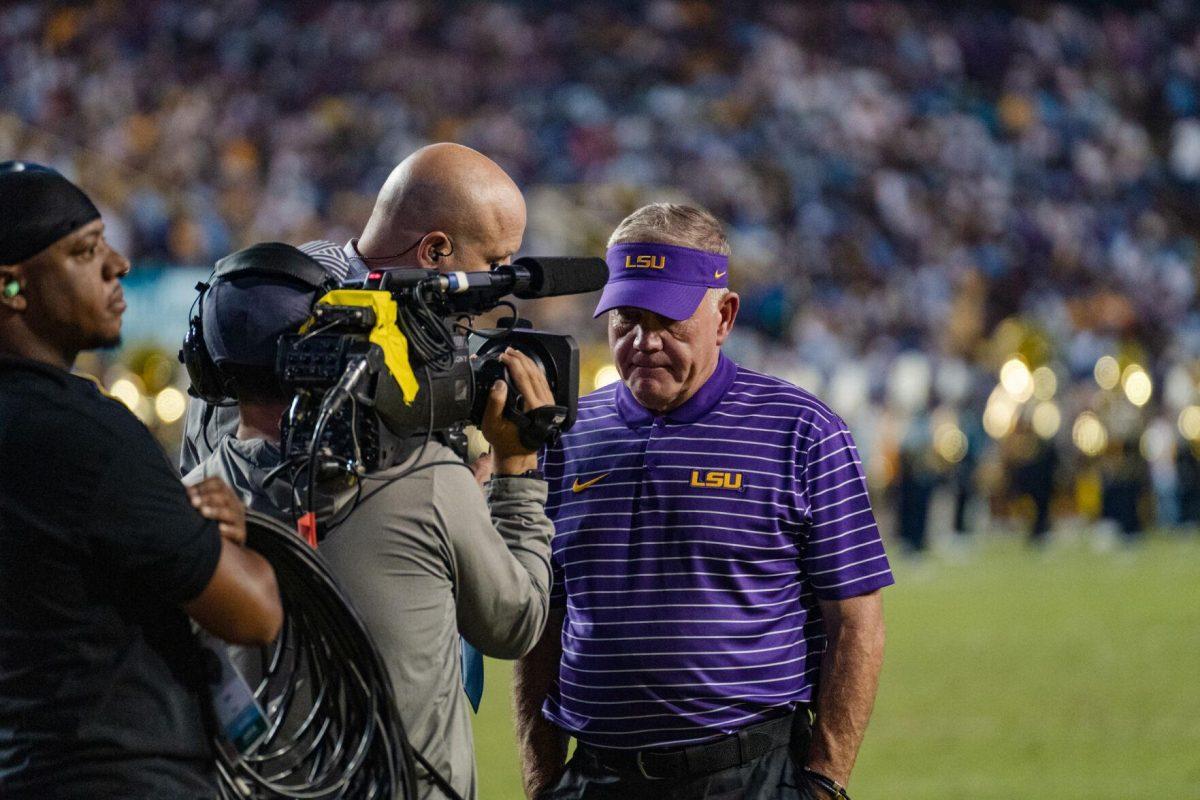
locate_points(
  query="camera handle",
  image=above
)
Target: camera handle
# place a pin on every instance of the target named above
(538, 427)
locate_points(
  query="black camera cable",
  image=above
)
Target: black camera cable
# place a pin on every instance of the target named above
(358, 370)
(428, 337)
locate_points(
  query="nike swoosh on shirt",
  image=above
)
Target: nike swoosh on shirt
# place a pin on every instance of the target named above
(720, 274)
(579, 487)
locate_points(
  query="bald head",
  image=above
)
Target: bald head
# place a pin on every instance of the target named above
(448, 207)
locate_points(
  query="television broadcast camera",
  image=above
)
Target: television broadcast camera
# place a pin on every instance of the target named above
(388, 358)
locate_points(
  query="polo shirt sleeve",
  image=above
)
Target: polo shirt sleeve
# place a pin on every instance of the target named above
(145, 530)
(844, 555)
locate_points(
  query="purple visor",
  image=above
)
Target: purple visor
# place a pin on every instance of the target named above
(662, 278)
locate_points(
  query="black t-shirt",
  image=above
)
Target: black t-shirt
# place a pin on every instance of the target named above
(101, 682)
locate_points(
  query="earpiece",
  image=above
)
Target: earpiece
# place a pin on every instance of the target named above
(434, 255)
(12, 289)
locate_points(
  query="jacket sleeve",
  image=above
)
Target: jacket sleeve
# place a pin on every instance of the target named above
(501, 563)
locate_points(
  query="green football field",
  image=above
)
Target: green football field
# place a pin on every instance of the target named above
(1011, 674)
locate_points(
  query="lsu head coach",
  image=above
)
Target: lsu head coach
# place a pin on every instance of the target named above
(102, 551)
(717, 565)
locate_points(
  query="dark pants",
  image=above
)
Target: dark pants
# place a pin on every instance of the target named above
(1119, 503)
(1041, 520)
(773, 776)
(913, 510)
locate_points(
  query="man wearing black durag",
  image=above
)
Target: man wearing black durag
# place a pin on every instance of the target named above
(103, 553)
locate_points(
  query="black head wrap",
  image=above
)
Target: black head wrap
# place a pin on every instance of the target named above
(38, 206)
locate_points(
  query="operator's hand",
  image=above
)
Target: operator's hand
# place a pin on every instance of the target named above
(213, 498)
(510, 457)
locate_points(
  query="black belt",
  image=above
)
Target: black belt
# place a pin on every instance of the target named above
(733, 750)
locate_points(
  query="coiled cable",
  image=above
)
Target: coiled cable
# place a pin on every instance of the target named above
(333, 728)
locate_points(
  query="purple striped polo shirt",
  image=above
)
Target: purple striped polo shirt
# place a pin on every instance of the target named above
(690, 552)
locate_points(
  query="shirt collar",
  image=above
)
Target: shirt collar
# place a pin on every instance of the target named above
(696, 406)
(358, 267)
(259, 452)
(10, 362)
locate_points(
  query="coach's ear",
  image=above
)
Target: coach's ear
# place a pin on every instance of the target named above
(728, 309)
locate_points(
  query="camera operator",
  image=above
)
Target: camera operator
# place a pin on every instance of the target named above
(414, 547)
(242, 318)
(102, 551)
(444, 207)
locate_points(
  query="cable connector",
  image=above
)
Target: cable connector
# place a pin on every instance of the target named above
(306, 526)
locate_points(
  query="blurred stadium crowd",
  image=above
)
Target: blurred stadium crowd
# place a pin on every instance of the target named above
(973, 232)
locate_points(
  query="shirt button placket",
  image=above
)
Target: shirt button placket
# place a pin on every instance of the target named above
(644, 464)
(656, 429)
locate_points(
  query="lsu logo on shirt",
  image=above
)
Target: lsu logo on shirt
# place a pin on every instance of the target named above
(716, 480)
(645, 262)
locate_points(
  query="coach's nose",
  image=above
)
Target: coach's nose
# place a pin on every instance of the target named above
(647, 339)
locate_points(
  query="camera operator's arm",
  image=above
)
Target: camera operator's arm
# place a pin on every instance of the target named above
(502, 598)
(241, 602)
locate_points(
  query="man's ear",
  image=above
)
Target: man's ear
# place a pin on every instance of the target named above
(728, 310)
(12, 289)
(433, 250)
